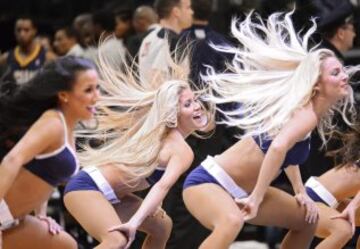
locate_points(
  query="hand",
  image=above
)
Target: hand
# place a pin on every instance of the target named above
(54, 227)
(347, 214)
(128, 230)
(312, 211)
(249, 207)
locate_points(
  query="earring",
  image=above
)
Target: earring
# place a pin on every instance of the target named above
(66, 100)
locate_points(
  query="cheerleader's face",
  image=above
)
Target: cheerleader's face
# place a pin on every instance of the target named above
(334, 81)
(191, 116)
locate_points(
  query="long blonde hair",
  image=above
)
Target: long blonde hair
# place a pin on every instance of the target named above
(133, 118)
(272, 75)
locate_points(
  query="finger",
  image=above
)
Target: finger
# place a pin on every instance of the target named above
(302, 201)
(130, 240)
(248, 217)
(338, 216)
(313, 213)
(353, 228)
(54, 226)
(314, 216)
(57, 228)
(113, 229)
(307, 213)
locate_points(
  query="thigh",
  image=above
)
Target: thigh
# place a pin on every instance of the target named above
(280, 209)
(127, 207)
(209, 204)
(32, 233)
(94, 213)
(130, 204)
(343, 204)
(325, 223)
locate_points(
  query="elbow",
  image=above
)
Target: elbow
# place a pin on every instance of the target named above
(278, 147)
(11, 161)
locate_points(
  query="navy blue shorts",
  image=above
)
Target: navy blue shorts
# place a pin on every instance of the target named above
(314, 196)
(81, 181)
(198, 176)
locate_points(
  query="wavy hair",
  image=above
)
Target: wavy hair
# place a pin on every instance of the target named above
(348, 152)
(134, 118)
(272, 75)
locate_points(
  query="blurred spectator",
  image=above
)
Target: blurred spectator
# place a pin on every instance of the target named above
(27, 57)
(45, 41)
(336, 25)
(66, 42)
(175, 15)
(144, 20)
(84, 26)
(123, 25)
(113, 49)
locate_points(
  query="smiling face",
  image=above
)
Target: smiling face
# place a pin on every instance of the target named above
(81, 99)
(191, 117)
(333, 82)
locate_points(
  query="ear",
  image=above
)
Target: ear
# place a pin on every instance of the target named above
(175, 11)
(340, 33)
(63, 97)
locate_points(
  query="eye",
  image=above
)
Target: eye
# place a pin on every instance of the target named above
(188, 103)
(335, 72)
(88, 90)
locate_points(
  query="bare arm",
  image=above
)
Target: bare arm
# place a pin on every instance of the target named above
(42, 209)
(178, 163)
(37, 139)
(294, 176)
(356, 201)
(295, 130)
(349, 212)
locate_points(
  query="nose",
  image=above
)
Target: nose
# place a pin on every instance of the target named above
(96, 95)
(197, 106)
(345, 76)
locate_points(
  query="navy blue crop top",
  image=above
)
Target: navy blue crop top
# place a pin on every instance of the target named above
(58, 166)
(155, 176)
(296, 155)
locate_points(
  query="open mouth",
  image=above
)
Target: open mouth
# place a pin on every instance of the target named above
(91, 109)
(200, 118)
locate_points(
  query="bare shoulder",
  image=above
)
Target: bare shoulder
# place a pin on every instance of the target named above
(175, 145)
(307, 112)
(50, 123)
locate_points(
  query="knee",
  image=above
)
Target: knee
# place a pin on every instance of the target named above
(341, 229)
(113, 240)
(232, 221)
(162, 226)
(65, 241)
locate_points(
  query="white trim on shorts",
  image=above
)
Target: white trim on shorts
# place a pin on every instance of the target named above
(102, 184)
(322, 192)
(215, 170)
